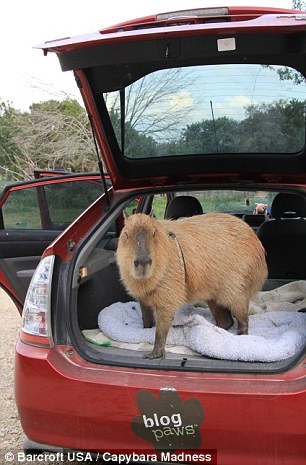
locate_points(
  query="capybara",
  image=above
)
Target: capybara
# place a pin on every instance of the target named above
(214, 257)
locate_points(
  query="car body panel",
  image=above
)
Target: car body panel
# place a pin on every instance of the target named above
(235, 13)
(262, 427)
(264, 18)
(246, 416)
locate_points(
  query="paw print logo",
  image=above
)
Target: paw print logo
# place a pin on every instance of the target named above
(168, 423)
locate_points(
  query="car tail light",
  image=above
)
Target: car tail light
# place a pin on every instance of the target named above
(36, 319)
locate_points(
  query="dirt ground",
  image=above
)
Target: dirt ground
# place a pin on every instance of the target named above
(11, 434)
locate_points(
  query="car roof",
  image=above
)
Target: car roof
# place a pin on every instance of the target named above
(111, 59)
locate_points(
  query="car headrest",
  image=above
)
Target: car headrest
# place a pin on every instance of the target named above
(288, 205)
(183, 206)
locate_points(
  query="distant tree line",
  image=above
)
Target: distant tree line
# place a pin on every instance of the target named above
(57, 135)
(271, 128)
(274, 127)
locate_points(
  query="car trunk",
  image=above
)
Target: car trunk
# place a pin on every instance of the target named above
(104, 289)
(119, 339)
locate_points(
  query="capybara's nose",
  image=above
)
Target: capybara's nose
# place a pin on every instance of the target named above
(142, 262)
(142, 266)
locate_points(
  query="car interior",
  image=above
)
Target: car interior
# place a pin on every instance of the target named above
(281, 231)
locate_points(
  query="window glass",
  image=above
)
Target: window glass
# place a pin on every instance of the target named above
(66, 201)
(235, 202)
(50, 207)
(229, 108)
(159, 206)
(131, 208)
(21, 210)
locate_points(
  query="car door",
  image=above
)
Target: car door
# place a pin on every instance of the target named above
(32, 215)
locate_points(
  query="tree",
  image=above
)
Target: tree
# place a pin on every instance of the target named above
(298, 5)
(274, 127)
(9, 150)
(210, 136)
(147, 111)
(133, 139)
(57, 134)
(53, 135)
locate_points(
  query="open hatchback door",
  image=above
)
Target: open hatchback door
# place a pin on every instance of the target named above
(194, 94)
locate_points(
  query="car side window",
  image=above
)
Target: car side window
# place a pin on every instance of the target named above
(159, 204)
(50, 206)
(66, 201)
(21, 210)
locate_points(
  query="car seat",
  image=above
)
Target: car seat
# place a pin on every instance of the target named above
(254, 220)
(183, 206)
(284, 237)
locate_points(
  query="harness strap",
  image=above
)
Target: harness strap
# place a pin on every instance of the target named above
(180, 254)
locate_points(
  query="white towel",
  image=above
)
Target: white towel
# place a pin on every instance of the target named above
(274, 335)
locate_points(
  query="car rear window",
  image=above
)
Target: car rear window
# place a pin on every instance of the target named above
(210, 109)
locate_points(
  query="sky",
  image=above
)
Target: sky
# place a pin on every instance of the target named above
(26, 76)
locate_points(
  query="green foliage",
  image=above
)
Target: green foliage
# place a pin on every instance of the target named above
(219, 201)
(134, 138)
(277, 127)
(8, 147)
(298, 5)
(270, 128)
(210, 136)
(68, 107)
(52, 135)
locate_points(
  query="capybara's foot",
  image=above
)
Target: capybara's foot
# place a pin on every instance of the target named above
(221, 314)
(156, 353)
(243, 328)
(226, 320)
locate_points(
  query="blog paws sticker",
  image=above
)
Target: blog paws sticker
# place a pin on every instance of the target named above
(167, 422)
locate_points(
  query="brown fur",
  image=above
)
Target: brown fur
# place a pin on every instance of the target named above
(214, 257)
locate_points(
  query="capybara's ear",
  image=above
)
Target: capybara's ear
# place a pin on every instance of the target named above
(127, 218)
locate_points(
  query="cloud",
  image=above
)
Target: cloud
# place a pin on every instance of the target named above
(233, 106)
(181, 99)
(239, 101)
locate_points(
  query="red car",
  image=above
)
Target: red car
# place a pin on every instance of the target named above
(192, 111)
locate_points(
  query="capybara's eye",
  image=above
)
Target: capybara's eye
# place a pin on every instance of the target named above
(126, 234)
